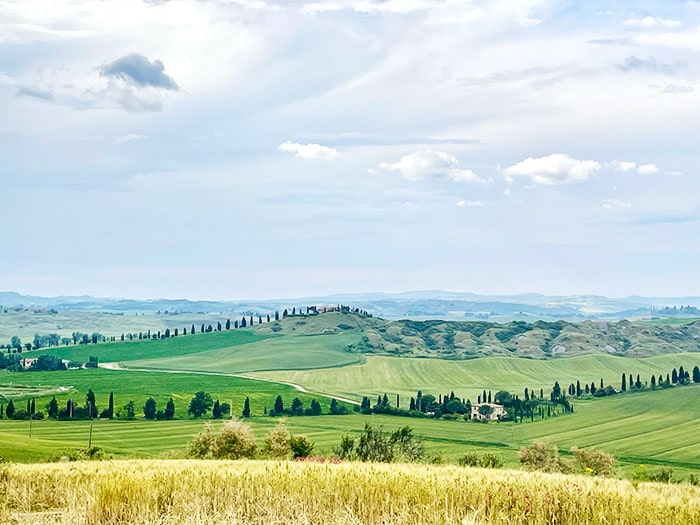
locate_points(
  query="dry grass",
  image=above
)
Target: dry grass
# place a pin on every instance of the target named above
(268, 492)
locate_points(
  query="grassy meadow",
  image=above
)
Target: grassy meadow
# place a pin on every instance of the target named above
(268, 492)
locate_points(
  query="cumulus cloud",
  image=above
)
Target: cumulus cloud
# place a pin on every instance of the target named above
(651, 21)
(623, 166)
(137, 70)
(557, 168)
(633, 63)
(647, 169)
(614, 204)
(430, 164)
(309, 151)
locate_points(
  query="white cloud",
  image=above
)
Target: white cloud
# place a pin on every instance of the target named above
(647, 169)
(128, 138)
(650, 22)
(623, 166)
(557, 168)
(430, 163)
(309, 151)
(469, 204)
(614, 204)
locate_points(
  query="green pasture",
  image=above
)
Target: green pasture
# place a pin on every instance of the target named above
(405, 376)
(153, 348)
(294, 352)
(658, 429)
(138, 386)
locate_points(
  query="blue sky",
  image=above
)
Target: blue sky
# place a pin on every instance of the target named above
(230, 149)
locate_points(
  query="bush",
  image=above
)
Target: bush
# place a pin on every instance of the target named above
(235, 441)
(345, 449)
(490, 460)
(470, 459)
(301, 446)
(201, 446)
(277, 442)
(594, 462)
(540, 455)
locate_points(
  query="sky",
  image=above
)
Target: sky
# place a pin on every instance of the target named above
(231, 149)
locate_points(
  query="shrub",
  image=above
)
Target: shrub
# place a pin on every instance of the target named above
(596, 462)
(345, 449)
(540, 455)
(235, 441)
(301, 446)
(277, 442)
(490, 460)
(470, 459)
(665, 475)
(201, 446)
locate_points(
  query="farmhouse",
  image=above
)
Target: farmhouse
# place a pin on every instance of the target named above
(487, 412)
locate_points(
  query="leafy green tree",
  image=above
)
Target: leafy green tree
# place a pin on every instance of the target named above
(149, 409)
(365, 405)
(297, 407)
(16, 343)
(314, 409)
(246, 408)
(225, 409)
(540, 455)
(129, 411)
(200, 404)
(336, 408)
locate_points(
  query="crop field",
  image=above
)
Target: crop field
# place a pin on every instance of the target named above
(152, 349)
(258, 492)
(296, 352)
(405, 376)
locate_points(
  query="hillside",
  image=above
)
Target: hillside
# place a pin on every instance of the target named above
(470, 339)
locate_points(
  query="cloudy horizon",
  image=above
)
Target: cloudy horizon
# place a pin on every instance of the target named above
(227, 149)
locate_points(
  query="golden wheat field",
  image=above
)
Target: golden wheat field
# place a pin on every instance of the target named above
(256, 492)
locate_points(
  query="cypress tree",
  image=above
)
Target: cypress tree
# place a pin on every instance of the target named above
(653, 381)
(170, 409)
(696, 374)
(228, 324)
(279, 405)
(623, 387)
(10, 410)
(246, 408)
(110, 406)
(674, 376)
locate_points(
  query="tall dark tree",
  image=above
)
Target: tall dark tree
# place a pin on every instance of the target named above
(365, 406)
(653, 381)
(169, 409)
(218, 326)
(246, 408)
(235, 324)
(279, 406)
(578, 388)
(90, 403)
(638, 383)
(681, 375)
(277, 316)
(696, 374)
(32, 407)
(268, 318)
(674, 376)
(52, 408)
(110, 406)
(623, 387)
(10, 410)
(192, 331)
(149, 408)
(216, 410)
(244, 323)
(314, 409)
(297, 407)
(228, 324)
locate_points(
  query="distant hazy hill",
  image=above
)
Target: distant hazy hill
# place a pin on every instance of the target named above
(470, 339)
(431, 304)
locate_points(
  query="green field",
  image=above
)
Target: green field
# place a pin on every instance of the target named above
(142, 349)
(405, 376)
(656, 427)
(296, 352)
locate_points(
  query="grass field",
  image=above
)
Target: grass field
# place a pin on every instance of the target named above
(262, 492)
(405, 376)
(152, 349)
(654, 428)
(297, 352)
